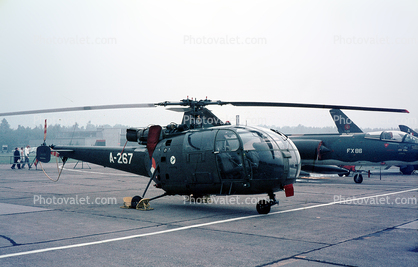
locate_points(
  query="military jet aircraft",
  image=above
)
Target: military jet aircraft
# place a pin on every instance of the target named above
(346, 125)
(327, 153)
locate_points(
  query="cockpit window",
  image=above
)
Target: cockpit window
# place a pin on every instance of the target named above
(373, 135)
(256, 140)
(200, 140)
(396, 136)
(279, 138)
(392, 136)
(410, 139)
(226, 141)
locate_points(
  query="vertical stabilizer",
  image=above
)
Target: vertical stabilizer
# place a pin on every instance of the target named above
(406, 129)
(343, 123)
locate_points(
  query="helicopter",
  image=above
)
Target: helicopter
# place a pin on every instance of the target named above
(200, 156)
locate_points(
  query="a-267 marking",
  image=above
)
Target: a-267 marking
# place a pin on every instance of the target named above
(121, 158)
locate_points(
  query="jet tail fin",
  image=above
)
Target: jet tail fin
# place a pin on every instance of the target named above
(343, 123)
(406, 129)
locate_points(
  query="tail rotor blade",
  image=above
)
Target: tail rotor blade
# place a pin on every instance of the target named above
(45, 132)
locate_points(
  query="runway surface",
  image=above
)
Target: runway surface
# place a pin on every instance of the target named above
(77, 221)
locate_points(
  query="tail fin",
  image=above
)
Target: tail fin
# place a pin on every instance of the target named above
(406, 129)
(343, 123)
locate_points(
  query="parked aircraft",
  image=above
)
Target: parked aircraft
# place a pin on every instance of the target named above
(354, 150)
(346, 125)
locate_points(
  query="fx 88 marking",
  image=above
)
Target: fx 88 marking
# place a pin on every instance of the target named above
(121, 158)
(355, 150)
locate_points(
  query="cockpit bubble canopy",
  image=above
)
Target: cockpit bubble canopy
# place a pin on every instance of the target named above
(395, 136)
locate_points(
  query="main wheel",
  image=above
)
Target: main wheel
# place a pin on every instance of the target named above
(135, 200)
(263, 207)
(358, 178)
(407, 170)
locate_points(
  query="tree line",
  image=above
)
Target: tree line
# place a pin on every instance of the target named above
(21, 136)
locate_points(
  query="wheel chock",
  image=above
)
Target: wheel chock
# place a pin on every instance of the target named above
(144, 204)
(127, 203)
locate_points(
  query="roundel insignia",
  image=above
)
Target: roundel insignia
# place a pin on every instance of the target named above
(386, 144)
(173, 160)
(347, 126)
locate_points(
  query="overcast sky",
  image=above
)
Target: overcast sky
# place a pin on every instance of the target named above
(77, 53)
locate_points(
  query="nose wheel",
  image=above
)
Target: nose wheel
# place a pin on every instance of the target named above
(264, 206)
(358, 178)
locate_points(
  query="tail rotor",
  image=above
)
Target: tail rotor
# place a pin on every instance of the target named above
(43, 152)
(44, 134)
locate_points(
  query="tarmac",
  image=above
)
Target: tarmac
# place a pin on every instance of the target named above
(77, 221)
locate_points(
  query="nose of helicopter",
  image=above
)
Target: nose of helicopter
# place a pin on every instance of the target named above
(271, 155)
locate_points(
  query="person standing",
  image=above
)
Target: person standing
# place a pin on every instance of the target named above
(26, 155)
(22, 157)
(16, 159)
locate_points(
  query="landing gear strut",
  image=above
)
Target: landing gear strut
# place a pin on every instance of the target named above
(263, 206)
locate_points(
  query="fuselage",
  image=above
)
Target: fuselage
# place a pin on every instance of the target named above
(214, 160)
(374, 148)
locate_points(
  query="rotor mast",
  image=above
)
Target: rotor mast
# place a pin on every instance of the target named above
(196, 115)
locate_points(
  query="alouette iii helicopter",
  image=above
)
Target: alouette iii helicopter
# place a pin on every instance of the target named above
(200, 156)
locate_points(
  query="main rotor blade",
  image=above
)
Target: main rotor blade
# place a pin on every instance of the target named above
(179, 109)
(302, 105)
(77, 109)
(204, 103)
